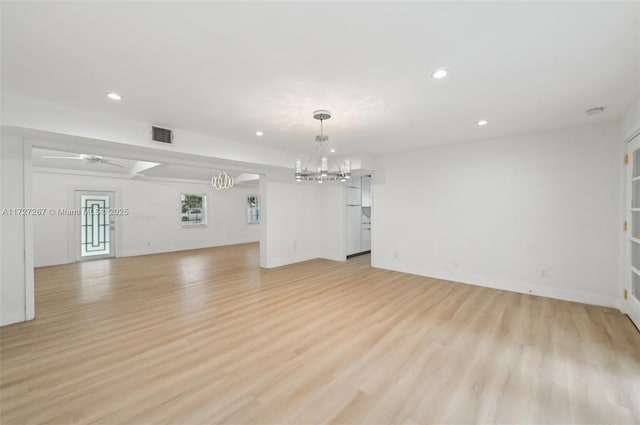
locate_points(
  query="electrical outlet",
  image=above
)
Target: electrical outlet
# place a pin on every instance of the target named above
(396, 255)
(543, 272)
(295, 246)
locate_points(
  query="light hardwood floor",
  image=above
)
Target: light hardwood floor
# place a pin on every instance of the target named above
(205, 336)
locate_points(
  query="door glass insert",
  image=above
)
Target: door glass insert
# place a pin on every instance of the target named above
(635, 284)
(635, 224)
(636, 164)
(635, 195)
(95, 234)
(635, 255)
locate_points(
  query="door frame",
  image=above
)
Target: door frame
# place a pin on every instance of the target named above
(78, 221)
(73, 247)
(631, 304)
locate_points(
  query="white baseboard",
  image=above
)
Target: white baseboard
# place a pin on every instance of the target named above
(52, 261)
(156, 250)
(285, 261)
(9, 318)
(161, 250)
(543, 291)
(332, 257)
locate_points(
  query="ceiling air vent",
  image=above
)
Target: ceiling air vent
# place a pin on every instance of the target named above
(162, 135)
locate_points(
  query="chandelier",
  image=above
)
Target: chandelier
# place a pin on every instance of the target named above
(324, 151)
(222, 181)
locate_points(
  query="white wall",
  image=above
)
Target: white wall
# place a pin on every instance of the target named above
(333, 223)
(494, 213)
(631, 121)
(13, 276)
(303, 220)
(153, 224)
(24, 112)
(292, 221)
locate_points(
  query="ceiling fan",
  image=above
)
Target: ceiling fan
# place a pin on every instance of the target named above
(91, 159)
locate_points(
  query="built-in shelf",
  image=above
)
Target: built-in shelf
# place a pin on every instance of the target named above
(632, 227)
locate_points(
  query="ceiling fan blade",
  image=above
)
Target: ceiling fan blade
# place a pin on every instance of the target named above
(104, 161)
(62, 157)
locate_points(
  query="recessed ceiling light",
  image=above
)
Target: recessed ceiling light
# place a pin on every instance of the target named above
(440, 73)
(483, 123)
(332, 150)
(596, 110)
(114, 96)
(259, 133)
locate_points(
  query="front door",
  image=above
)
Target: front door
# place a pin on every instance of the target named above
(96, 225)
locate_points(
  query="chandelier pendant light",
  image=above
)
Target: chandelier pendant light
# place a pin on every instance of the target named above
(324, 152)
(222, 181)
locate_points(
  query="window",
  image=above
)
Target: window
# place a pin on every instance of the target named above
(253, 209)
(194, 209)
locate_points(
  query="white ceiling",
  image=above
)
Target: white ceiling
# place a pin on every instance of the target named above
(133, 168)
(40, 159)
(229, 69)
(174, 171)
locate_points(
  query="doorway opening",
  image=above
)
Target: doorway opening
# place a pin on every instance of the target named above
(358, 198)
